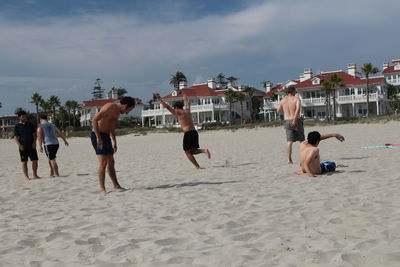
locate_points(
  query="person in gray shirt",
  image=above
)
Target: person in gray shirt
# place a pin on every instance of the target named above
(47, 136)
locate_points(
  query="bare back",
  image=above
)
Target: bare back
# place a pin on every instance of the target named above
(185, 119)
(107, 117)
(309, 158)
(291, 107)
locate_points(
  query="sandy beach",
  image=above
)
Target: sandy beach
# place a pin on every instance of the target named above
(246, 208)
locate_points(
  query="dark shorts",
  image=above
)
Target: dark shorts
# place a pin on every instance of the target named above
(51, 151)
(191, 140)
(28, 153)
(107, 145)
(327, 166)
(295, 133)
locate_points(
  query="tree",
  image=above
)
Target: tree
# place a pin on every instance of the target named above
(36, 99)
(54, 102)
(45, 106)
(368, 69)
(336, 82)
(97, 90)
(240, 96)
(68, 107)
(120, 91)
(231, 98)
(250, 92)
(177, 78)
(265, 84)
(74, 106)
(232, 80)
(327, 85)
(393, 96)
(220, 80)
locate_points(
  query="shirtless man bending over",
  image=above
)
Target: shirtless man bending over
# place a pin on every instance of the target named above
(103, 131)
(310, 162)
(293, 123)
(191, 137)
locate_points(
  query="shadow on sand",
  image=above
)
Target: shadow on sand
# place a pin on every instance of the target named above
(188, 184)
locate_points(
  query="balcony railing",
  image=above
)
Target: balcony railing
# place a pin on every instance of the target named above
(357, 98)
(270, 105)
(193, 108)
(313, 101)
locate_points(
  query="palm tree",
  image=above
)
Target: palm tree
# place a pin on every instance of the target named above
(177, 78)
(368, 69)
(336, 81)
(220, 80)
(74, 106)
(231, 98)
(61, 111)
(232, 80)
(327, 85)
(250, 92)
(54, 102)
(68, 107)
(239, 96)
(45, 106)
(36, 99)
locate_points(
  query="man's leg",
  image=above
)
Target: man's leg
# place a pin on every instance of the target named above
(54, 168)
(25, 169)
(102, 173)
(190, 156)
(35, 168)
(111, 171)
(289, 151)
(206, 151)
(51, 169)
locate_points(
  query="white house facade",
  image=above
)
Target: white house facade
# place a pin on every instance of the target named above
(350, 96)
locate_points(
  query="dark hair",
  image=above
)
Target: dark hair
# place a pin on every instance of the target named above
(21, 112)
(178, 104)
(291, 90)
(313, 137)
(127, 100)
(43, 117)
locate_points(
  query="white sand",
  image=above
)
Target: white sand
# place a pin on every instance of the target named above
(246, 208)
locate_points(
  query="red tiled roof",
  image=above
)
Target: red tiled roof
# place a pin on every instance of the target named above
(347, 80)
(97, 102)
(390, 70)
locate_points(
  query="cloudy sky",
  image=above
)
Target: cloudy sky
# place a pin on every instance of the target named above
(61, 47)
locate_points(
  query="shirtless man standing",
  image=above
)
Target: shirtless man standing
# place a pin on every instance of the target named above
(103, 128)
(191, 137)
(310, 162)
(293, 123)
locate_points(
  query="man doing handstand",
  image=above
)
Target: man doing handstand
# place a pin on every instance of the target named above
(191, 137)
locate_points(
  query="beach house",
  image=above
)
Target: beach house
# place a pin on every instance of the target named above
(350, 95)
(392, 72)
(208, 103)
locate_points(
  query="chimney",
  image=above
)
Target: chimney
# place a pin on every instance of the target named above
(113, 94)
(351, 69)
(307, 73)
(182, 84)
(301, 77)
(268, 87)
(211, 83)
(385, 66)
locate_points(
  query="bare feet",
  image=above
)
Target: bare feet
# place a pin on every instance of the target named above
(103, 192)
(298, 172)
(208, 154)
(26, 179)
(36, 177)
(290, 161)
(120, 188)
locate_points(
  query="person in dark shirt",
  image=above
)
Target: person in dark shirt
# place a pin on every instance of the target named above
(25, 138)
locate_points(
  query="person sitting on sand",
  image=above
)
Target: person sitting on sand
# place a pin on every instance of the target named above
(191, 137)
(103, 125)
(309, 154)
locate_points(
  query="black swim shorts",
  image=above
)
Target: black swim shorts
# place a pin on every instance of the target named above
(51, 151)
(191, 140)
(107, 145)
(28, 153)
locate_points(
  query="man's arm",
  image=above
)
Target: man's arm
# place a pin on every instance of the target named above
(279, 109)
(166, 106)
(40, 138)
(186, 101)
(60, 134)
(296, 113)
(308, 160)
(95, 124)
(338, 136)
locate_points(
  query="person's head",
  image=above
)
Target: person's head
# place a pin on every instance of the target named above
(43, 118)
(313, 138)
(127, 104)
(21, 115)
(178, 105)
(291, 90)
